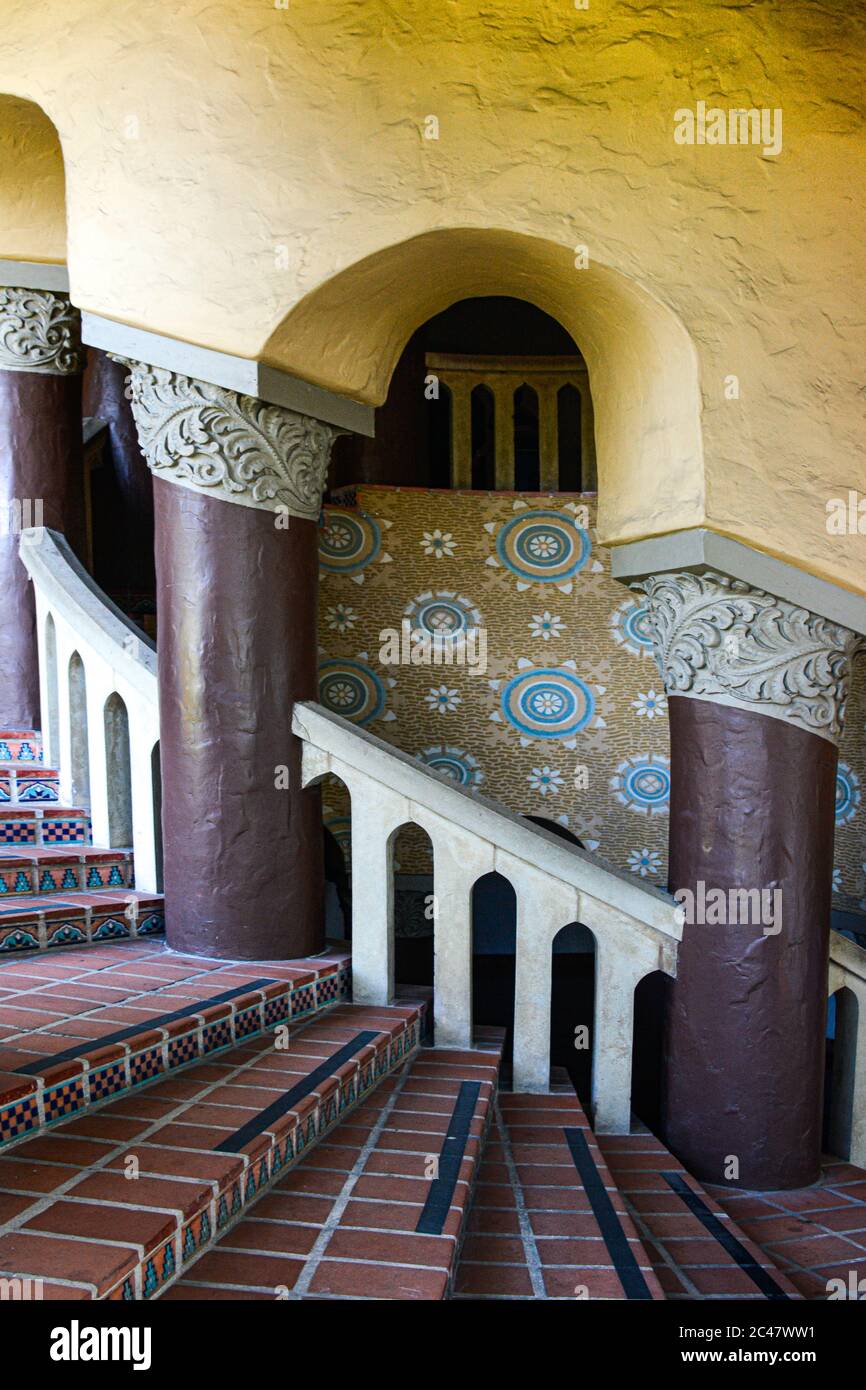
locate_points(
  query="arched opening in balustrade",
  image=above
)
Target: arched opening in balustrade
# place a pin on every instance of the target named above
(651, 999)
(483, 429)
(843, 1023)
(52, 689)
(156, 792)
(494, 946)
(527, 457)
(572, 1006)
(575, 474)
(79, 748)
(412, 872)
(118, 771)
(337, 851)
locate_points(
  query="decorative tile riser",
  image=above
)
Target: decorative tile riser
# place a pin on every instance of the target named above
(287, 1145)
(89, 927)
(34, 828)
(28, 788)
(19, 882)
(20, 750)
(206, 1038)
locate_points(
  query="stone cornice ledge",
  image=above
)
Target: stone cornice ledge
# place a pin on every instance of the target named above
(239, 374)
(35, 275)
(699, 550)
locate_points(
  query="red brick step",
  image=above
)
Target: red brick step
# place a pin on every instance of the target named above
(46, 922)
(112, 1205)
(812, 1234)
(43, 869)
(74, 1034)
(366, 1216)
(541, 1228)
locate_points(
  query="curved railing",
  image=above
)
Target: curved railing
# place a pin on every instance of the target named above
(100, 703)
(636, 927)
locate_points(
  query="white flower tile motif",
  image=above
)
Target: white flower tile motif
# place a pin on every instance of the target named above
(546, 625)
(341, 617)
(439, 544)
(443, 700)
(546, 780)
(646, 862)
(650, 704)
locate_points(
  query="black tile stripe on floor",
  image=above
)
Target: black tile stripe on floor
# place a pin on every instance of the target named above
(80, 1049)
(438, 1203)
(759, 1276)
(629, 1271)
(265, 1118)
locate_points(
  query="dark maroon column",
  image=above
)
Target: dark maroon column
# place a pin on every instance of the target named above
(752, 806)
(40, 461)
(123, 498)
(236, 598)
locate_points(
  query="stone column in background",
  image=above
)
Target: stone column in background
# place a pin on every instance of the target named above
(41, 468)
(123, 543)
(237, 493)
(756, 693)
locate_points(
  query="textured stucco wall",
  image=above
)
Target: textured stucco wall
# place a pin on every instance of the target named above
(225, 161)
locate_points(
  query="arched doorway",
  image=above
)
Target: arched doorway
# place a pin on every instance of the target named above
(494, 946)
(337, 849)
(650, 1007)
(414, 906)
(572, 1006)
(349, 331)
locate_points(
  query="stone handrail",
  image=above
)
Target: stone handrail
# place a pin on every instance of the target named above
(116, 742)
(636, 927)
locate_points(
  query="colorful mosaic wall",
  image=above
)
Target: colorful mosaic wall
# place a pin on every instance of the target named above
(568, 719)
(849, 876)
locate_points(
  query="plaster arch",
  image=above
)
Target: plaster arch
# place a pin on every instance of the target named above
(348, 333)
(32, 183)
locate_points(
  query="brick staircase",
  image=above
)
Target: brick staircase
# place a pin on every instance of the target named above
(192, 1129)
(56, 888)
(177, 1127)
(380, 1209)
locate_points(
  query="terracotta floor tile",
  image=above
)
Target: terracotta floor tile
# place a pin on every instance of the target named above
(82, 1262)
(269, 1237)
(350, 1280)
(506, 1281)
(145, 1228)
(224, 1266)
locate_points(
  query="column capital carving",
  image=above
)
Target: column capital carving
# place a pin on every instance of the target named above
(717, 638)
(40, 331)
(213, 440)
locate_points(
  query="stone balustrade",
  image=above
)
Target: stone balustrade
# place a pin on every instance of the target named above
(636, 927)
(100, 704)
(503, 377)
